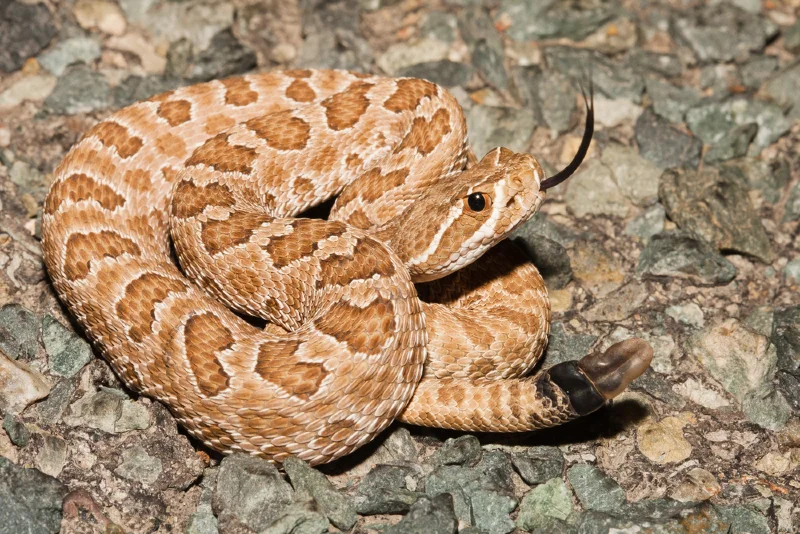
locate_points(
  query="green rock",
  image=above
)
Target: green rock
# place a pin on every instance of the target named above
(549, 500)
(30, 501)
(428, 516)
(595, 490)
(17, 432)
(744, 520)
(306, 480)
(539, 464)
(679, 254)
(67, 353)
(463, 450)
(139, 466)
(491, 511)
(299, 518)
(19, 332)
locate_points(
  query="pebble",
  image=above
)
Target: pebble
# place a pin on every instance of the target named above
(52, 408)
(64, 53)
(619, 304)
(610, 113)
(649, 223)
(564, 346)
(743, 519)
(463, 450)
(34, 88)
(407, 54)
(549, 500)
(792, 270)
(554, 96)
(137, 45)
(29, 499)
(20, 385)
(384, 490)
(299, 518)
(714, 205)
(662, 442)
(745, 363)
(636, 177)
(250, 490)
(700, 485)
(109, 410)
(19, 332)
(52, 455)
(774, 463)
(533, 21)
(593, 191)
(792, 208)
(666, 65)
(689, 314)
(428, 516)
(67, 352)
(443, 72)
(598, 269)
(491, 127)
(734, 144)
(664, 144)
(671, 102)
(769, 178)
(139, 466)
(224, 57)
(758, 69)
(537, 465)
(595, 490)
(78, 90)
(16, 430)
(713, 122)
(782, 89)
(699, 393)
(679, 254)
(101, 14)
(310, 483)
(489, 61)
(550, 258)
(25, 29)
(785, 336)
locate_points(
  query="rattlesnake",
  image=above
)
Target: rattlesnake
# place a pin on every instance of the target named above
(223, 168)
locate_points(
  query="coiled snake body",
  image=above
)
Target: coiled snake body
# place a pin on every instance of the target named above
(220, 170)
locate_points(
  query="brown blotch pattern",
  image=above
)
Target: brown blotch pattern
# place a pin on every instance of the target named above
(217, 123)
(359, 219)
(409, 94)
(138, 179)
(424, 136)
(190, 200)
(79, 186)
(298, 73)
(343, 110)
(281, 131)
(353, 160)
(376, 184)
(235, 230)
(112, 134)
(278, 365)
(219, 154)
(175, 112)
(300, 91)
(365, 330)
(205, 338)
(137, 306)
(171, 145)
(238, 92)
(302, 241)
(83, 248)
(368, 258)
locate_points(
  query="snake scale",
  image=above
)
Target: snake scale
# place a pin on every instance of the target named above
(173, 222)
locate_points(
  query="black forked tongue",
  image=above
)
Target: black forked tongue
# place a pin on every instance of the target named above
(599, 377)
(588, 131)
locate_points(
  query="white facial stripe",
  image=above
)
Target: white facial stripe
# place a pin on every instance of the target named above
(454, 213)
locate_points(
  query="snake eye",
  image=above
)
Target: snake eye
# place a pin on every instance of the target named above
(478, 201)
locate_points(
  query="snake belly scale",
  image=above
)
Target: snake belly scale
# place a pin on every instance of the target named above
(219, 171)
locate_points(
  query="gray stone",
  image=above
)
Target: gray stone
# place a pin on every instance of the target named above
(664, 144)
(444, 72)
(647, 224)
(595, 490)
(723, 32)
(439, 25)
(299, 518)
(251, 491)
(539, 464)
(64, 53)
(224, 57)
(489, 62)
(333, 39)
(733, 144)
(491, 127)
(743, 520)
(533, 21)
(636, 177)
(25, 29)
(28, 179)
(308, 482)
(476, 25)
(785, 335)
(52, 408)
(564, 347)
(619, 304)
(745, 363)
(669, 101)
(769, 178)
(713, 122)
(30, 501)
(614, 79)
(667, 65)
(593, 191)
(19, 332)
(79, 90)
(406, 54)
(549, 500)
(762, 321)
(203, 521)
(491, 510)
(539, 224)
(688, 314)
(758, 69)
(384, 491)
(714, 205)
(463, 450)
(792, 212)
(67, 352)
(428, 516)
(20, 385)
(652, 384)
(792, 270)
(108, 410)
(17, 432)
(52, 455)
(139, 466)
(135, 88)
(782, 89)
(550, 258)
(679, 254)
(550, 93)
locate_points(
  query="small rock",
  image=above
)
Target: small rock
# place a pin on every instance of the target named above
(133, 43)
(79, 90)
(715, 206)
(428, 516)
(792, 212)
(203, 521)
(299, 518)
(671, 102)
(595, 490)
(745, 364)
(51, 409)
(20, 385)
(648, 224)
(489, 62)
(463, 450)
(563, 346)
(439, 25)
(533, 21)
(139, 466)
(769, 178)
(19, 332)
(664, 144)
(758, 69)
(250, 490)
(551, 93)
(734, 144)
(549, 500)
(593, 191)
(16, 430)
(785, 336)
(406, 54)
(384, 491)
(700, 394)
(30, 500)
(679, 254)
(782, 89)
(666, 65)
(619, 304)
(25, 29)
(443, 72)
(774, 463)
(713, 123)
(636, 177)
(224, 57)
(689, 314)
(699, 486)
(101, 14)
(64, 53)
(550, 258)
(792, 270)
(307, 481)
(135, 88)
(662, 442)
(491, 127)
(52, 455)
(491, 510)
(67, 352)
(610, 113)
(742, 519)
(539, 464)
(612, 79)
(108, 410)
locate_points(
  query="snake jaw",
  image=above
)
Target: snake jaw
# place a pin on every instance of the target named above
(599, 377)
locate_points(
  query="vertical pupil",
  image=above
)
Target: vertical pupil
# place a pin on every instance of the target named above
(476, 202)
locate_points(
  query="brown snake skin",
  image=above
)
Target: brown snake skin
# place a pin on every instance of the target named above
(222, 168)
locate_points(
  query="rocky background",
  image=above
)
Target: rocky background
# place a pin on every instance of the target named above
(682, 228)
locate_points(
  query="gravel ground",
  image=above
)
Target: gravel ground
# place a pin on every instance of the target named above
(682, 228)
